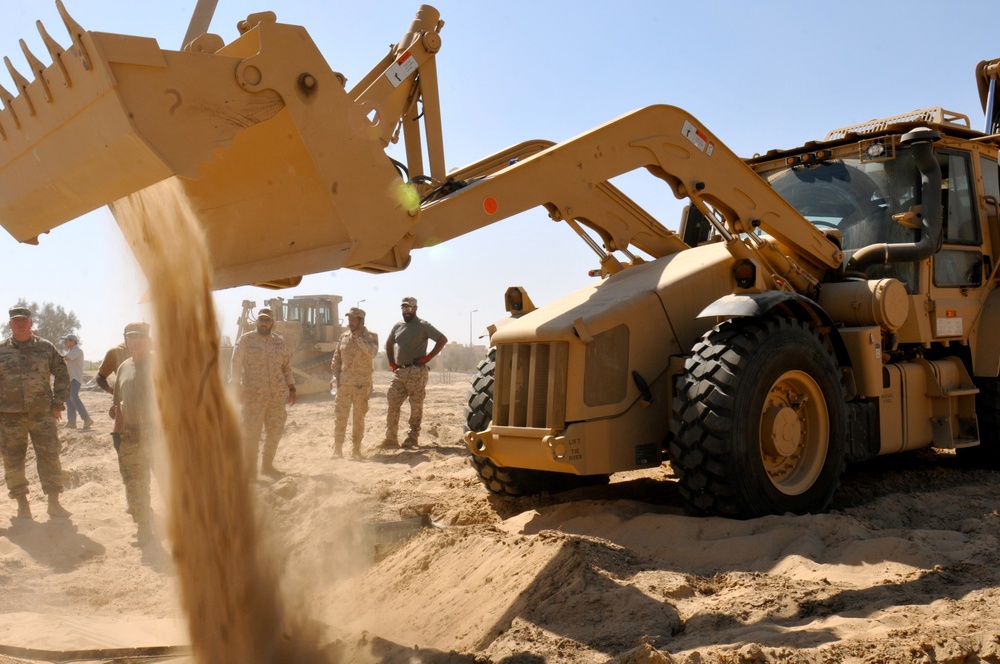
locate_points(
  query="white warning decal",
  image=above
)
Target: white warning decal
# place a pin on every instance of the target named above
(697, 138)
(949, 327)
(401, 69)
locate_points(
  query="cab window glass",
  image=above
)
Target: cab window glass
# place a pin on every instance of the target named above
(991, 177)
(958, 268)
(960, 220)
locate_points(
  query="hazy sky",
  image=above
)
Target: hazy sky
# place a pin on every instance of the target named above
(760, 75)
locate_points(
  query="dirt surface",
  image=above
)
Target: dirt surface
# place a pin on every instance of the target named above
(905, 568)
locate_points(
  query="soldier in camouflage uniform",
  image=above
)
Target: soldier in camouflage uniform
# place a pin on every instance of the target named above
(352, 377)
(30, 404)
(406, 349)
(261, 365)
(135, 419)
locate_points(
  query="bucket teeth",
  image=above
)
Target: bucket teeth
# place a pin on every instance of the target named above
(55, 52)
(8, 99)
(75, 32)
(37, 69)
(20, 82)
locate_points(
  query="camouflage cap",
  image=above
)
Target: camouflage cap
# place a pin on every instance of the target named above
(409, 301)
(354, 312)
(265, 313)
(137, 329)
(20, 312)
(72, 337)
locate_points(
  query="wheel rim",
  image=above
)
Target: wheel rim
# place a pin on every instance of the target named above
(794, 432)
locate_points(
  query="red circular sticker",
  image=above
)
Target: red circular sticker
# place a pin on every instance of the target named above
(490, 205)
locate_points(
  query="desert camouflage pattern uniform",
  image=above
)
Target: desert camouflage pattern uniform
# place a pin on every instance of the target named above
(34, 380)
(410, 379)
(134, 395)
(352, 368)
(261, 365)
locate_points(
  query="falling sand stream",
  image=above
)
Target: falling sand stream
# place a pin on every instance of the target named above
(229, 582)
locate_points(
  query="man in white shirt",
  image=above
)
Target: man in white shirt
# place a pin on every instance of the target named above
(74, 362)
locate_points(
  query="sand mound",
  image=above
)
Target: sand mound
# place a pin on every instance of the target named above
(906, 568)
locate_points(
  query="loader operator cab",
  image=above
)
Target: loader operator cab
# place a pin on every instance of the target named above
(859, 198)
(858, 201)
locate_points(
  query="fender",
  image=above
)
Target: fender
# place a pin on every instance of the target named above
(757, 304)
(781, 303)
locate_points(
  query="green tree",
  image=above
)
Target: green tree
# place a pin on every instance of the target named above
(50, 321)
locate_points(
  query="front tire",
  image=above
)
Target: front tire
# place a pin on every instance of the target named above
(760, 420)
(501, 480)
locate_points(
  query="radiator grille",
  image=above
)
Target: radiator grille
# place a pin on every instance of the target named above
(530, 385)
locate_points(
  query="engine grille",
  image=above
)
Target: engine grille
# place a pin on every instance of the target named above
(530, 385)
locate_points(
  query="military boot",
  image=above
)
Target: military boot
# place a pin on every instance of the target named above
(55, 509)
(338, 448)
(144, 535)
(356, 451)
(267, 464)
(23, 508)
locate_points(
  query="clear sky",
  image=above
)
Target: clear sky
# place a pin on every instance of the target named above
(760, 75)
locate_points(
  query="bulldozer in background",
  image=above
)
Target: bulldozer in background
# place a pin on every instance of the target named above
(311, 327)
(819, 306)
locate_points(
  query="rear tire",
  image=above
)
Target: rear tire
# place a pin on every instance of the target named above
(501, 480)
(760, 420)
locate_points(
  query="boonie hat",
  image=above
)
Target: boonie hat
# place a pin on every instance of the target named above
(20, 312)
(137, 329)
(72, 337)
(356, 313)
(265, 313)
(411, 301)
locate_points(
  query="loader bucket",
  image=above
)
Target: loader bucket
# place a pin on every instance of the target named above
(259, 137)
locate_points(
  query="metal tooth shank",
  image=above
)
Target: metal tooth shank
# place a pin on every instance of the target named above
(20, 82)
(7, 99)
(75, 32)
(55, 52)
(37, 68)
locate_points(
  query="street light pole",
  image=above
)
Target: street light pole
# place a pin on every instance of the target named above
(470, 326)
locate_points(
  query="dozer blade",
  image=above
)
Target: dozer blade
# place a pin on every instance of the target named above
(277, 164)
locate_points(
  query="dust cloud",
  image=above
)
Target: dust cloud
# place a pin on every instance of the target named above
(229, 582)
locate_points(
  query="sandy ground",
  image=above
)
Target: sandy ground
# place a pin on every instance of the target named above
(905, 568)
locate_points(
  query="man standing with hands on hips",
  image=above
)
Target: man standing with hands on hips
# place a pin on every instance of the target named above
(406, 350)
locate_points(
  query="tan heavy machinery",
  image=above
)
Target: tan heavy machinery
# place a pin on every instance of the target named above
(310, 325)
(819, 306)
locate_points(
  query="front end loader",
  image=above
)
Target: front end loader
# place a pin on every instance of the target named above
(819, 306)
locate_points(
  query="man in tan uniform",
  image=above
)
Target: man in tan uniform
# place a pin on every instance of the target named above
(261, 366)
(135, 417)
(352, 377)
(406, 350)
(34, 386)
(112, 360)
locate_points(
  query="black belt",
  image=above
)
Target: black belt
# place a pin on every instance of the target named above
(411, 364)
